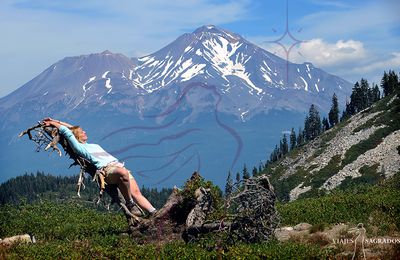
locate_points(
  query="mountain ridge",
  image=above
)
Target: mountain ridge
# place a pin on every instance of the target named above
(363, 149)
(249, 77)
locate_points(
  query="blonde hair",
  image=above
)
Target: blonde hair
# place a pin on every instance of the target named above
(76, 130)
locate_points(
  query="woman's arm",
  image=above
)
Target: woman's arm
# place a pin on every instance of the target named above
(56, 123)
(63, 129)
(65, 124)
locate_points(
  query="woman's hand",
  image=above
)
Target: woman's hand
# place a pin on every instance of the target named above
(47, 121)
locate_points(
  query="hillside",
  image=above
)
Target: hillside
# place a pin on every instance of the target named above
(362, 149)
(71, 230)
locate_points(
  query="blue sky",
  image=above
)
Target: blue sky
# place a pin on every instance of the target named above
(351, 39)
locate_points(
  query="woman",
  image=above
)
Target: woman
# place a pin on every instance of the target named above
(115, 171)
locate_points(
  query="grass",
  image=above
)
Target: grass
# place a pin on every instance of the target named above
(58, 221)
(284, 186)
(369, 175)
(317, 179)
(376, 205)
(125, 249)
(72, 231)
(322, 175)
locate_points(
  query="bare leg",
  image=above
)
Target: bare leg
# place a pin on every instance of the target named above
(121, 178)
(138, 197)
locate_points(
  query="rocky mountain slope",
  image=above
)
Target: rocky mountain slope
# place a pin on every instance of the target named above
(362, 149)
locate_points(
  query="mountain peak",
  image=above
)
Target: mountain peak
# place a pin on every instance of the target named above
(106, 52)
(214, 30)
(206, 28)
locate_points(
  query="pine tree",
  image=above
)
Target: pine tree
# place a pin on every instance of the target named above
(312, 124)
(255, 171)
(307, 128)
(228, 185)
(292, 139)
(356, 99)
(375, 93)
(325, 124)
(245, 173)
(334, 112)
(385, 85)
(237, 177)
(365, 89)
(390, 82)
(349, 111)
(285, 146)
(260, 166)
(393, 81)
(274, 154)
(267, 164)
(300, 137)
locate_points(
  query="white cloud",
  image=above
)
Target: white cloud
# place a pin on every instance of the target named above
(349, 59)
(320, 52)
(331, 54)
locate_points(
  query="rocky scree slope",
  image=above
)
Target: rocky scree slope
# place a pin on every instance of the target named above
(362, 149)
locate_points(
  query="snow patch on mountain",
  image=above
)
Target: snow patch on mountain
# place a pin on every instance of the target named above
(108, 81)
(193, 71)
(305, 83)
(87, 82)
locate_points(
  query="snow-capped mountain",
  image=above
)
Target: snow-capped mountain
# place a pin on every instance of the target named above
(250, 79)
(214, 54)
(210, 96)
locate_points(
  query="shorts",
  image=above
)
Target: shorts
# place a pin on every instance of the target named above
(111, 167)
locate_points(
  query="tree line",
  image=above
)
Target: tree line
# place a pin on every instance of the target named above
(363, 95)
(31, 187)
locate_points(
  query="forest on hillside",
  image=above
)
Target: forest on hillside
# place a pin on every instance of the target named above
(31, 187)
